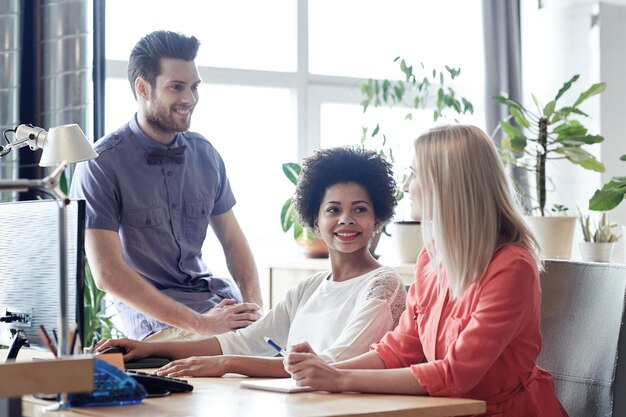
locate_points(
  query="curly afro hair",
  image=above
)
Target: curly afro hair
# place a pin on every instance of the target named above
(345, 164)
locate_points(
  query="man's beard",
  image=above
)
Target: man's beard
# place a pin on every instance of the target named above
(163, 124)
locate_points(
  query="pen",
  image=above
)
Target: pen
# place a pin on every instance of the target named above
(94, 343)
(280, 350)
(45, 338)
(73, 334)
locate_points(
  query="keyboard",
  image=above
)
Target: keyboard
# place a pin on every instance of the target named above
(157, 385)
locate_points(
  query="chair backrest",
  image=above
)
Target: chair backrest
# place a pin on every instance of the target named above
(584, 345)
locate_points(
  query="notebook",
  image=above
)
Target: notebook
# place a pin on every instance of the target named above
(287, 385)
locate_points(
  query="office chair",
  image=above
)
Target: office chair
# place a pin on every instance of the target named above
(584, 346)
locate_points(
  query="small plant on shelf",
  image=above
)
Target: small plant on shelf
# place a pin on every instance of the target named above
(603, 232)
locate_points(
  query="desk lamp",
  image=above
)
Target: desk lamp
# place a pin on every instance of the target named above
(61, 145)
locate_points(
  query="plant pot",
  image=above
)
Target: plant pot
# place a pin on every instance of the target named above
(596, 251)
(555, 235)
(407, 240)
(315, 248)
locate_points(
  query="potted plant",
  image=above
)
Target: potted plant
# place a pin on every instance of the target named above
(419, 89)
(597, 245)
(312, 246)
(543, 134)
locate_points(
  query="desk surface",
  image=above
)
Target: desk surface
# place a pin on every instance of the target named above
(223, 397)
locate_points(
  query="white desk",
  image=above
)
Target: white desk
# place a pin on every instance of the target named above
(222, 397)
(286, 274)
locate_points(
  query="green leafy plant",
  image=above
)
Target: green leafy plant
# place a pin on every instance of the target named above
(98, 324)
(548, 133)
(603, 230)
(419, 89)
(288, 215)
(559, 209)
(610, 195)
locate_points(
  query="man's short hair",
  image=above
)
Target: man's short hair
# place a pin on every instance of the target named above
(145, 58)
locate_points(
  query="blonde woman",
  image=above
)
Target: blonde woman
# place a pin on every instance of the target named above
(471, 327)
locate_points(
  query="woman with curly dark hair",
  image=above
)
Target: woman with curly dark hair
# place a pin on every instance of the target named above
(345, 195)
(345, 165)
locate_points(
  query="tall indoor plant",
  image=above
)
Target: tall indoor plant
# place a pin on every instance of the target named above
(532, 137)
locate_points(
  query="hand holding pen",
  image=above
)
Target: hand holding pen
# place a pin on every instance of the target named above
(308, 369)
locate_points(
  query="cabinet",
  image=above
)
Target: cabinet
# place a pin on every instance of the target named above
(286, 274)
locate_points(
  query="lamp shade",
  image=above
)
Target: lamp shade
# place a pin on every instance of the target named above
(66, 143)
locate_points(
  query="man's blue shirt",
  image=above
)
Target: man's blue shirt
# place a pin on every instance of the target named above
(161, 213)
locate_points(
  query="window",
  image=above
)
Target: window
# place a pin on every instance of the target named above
(253, 129)
(360, 38)
(281, 78)
(245, 34)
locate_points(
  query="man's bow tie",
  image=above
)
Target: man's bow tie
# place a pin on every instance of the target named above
(176, 154)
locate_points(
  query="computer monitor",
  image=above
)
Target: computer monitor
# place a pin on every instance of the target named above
(29, 267)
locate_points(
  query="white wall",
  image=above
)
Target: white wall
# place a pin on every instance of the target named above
(613, 100)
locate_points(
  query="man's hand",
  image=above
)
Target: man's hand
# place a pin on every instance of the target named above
(227, 316)
(134, 349)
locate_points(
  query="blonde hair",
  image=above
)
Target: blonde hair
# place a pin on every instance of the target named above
(468, 206)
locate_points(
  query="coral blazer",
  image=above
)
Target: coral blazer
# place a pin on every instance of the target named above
(483, 345)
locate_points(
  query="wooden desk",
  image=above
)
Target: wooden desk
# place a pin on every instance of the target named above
(222, 397)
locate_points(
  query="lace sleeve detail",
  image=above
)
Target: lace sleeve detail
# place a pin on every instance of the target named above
(388, 286)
